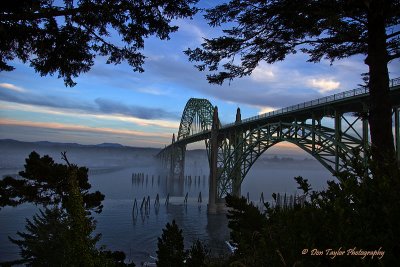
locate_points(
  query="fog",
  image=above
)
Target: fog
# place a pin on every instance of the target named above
(126, 174)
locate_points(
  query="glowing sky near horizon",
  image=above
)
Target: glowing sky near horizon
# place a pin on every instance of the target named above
(113, 104)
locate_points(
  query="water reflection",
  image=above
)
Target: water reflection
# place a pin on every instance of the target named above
(129, 179)
(154, 200)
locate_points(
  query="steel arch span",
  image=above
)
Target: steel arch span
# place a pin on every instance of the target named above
(197, 117)
(233, 148)
(332, 148)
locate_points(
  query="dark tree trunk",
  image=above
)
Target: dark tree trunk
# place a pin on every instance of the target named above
(380, 117)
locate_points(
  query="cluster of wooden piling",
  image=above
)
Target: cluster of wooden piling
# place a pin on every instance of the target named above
(145, 204)
(289, 201)
(196, 179)
(140, 177)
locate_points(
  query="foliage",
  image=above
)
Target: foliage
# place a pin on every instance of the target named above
(46, 183)
(269, 30)
(48, 227)
(62, 234)
(358, 211)
(170, 251)
(196, 255)
(66, 36)
(246, 221)
(53, 239)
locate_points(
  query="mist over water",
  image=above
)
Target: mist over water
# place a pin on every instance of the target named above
(124, 174)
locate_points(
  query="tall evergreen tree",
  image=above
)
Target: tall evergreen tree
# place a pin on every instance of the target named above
(43, 242)
(170, 251)
(196, 255)
(269, 30)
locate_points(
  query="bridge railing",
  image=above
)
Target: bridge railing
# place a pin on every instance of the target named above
(323, 100)
(319, 101)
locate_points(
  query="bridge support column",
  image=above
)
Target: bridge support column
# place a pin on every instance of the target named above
(177, 164)
(365, 136)
(313, 134)
(338, 134)
(212, 191)
(173, 158)
(397, 131)
(238, 147)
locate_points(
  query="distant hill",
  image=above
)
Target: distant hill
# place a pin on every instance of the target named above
(58, 144)
(110, 145)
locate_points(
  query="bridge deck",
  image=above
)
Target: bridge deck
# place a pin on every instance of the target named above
(348, 101)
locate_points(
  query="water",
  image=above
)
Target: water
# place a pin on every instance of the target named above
(111, 172)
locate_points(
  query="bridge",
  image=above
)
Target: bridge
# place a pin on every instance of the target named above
(333, 129)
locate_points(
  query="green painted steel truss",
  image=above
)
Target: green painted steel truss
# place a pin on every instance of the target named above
(332, 129)
(196, 118)
(332, 147)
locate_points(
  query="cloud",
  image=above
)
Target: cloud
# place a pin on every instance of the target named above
(46, 101)
(273, 86)
(263, 73)
(100, 106)
(153, 91)
(83, 128)
(168, 124)
(265, 109)
(324, 85)
(13, 87)
(191, 29)
(109, 106)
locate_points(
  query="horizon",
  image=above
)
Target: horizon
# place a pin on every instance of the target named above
(277, 151)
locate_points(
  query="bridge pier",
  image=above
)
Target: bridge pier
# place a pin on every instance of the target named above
(397, 131)
(338, 138)
(212, 191)
(238, 147)
(173, 158)
(365, 137)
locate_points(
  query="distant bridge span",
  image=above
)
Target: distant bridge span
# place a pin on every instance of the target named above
(333, 129)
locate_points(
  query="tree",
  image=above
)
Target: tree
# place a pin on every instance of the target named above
(196, 255)
(170, 251)
(356, 211)
(65, 37)
(246, 224)
(61, 235)
(46, 183)
(48, 227)
(270, 30)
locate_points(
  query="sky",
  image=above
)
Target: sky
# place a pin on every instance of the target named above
(113, 104)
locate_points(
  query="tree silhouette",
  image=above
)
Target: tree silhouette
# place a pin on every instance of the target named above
(196, 255)
(356, 212)
(46, 183)
(269, 30)
(246, 224)
(62, 234)
(65, 37)
(170, 251)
